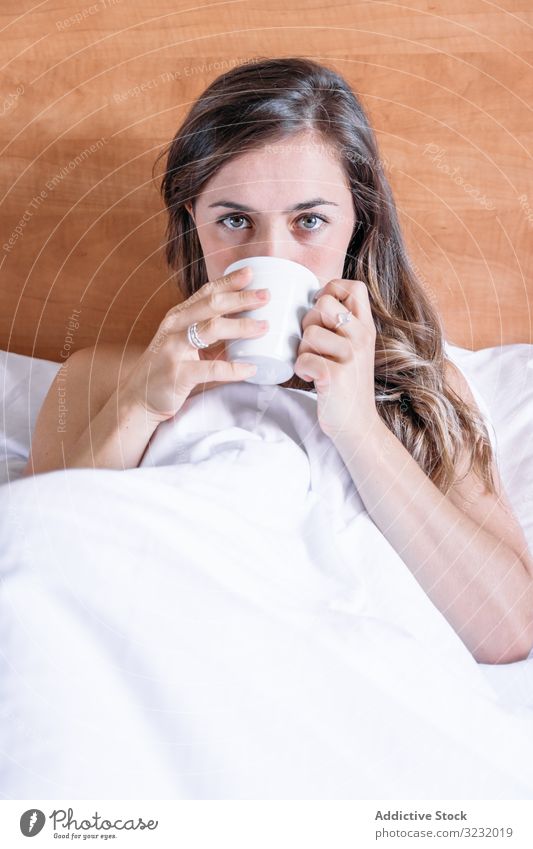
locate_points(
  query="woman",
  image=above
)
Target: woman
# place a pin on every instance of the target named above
(272, 145)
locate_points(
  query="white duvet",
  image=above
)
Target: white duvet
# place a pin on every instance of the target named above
(227, 622)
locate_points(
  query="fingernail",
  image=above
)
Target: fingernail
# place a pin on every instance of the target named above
(317, 294)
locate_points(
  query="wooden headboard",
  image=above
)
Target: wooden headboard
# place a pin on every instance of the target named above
(92, 92)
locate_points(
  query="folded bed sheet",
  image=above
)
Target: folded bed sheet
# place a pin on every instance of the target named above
(227, 621)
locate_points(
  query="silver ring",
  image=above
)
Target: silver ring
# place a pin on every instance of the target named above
(343, 318)
(194, 339)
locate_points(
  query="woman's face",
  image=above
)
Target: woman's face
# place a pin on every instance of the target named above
(288, 199)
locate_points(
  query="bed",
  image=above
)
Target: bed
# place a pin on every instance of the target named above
(226, 621)
(286, 652)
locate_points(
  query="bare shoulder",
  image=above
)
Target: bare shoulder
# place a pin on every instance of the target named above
(81, 387)
(457, 381)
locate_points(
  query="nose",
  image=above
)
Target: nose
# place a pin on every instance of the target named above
(273, 239)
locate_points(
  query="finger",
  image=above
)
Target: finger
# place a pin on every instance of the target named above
(319, 340)
(218, 329)
(354, 329)
(211, 372)
(326, 313)
(359, 304)
(320, 370)
(235, 281)
(353, 295)
(215, 351)
(213, 300)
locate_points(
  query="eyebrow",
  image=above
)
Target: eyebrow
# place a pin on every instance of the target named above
(305, 204)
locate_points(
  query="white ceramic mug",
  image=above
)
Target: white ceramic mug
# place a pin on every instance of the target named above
(292, 287)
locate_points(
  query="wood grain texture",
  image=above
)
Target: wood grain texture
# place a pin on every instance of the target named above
(90, 94)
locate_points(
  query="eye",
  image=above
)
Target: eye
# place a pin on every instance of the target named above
(316, 217)
(302, 217)
(229, 218)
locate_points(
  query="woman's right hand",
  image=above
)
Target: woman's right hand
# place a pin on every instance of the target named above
(170, 368)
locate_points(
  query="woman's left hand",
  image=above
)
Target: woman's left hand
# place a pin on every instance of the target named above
(340, 361)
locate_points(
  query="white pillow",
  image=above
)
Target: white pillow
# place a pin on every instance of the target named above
(501, 377)
(25, 382)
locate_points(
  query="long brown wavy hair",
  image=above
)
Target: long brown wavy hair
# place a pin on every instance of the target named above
(269, 99)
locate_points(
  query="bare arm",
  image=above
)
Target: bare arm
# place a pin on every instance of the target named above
(98, 429)
(466, 548)
(108, 422)
(115, 439)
